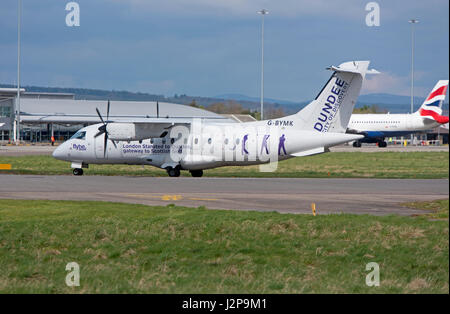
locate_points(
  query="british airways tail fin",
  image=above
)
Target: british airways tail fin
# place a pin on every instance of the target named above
(330, 111)
(432, 106)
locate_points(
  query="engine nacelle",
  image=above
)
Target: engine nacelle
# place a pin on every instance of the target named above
(134, 131)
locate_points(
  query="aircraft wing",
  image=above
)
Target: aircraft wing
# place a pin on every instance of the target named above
(151, 120)
(353, 131)
(136, 129)
(369, 134)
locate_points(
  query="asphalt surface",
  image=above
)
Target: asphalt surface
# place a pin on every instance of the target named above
(356, 196)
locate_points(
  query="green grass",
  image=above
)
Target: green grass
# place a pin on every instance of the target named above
(126, 248)
(426, 165)
(434, 210)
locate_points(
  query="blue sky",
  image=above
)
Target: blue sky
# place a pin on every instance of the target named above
(211, 47)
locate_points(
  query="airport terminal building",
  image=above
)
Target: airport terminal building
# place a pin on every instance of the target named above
(61, 115)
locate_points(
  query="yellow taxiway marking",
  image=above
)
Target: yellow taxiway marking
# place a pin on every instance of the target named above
(5, 166)
(202, 199)
(170, 197)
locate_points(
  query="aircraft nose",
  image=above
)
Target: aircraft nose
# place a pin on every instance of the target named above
(58, 153)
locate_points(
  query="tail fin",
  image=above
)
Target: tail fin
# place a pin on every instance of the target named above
(431, 108)
(332, 108)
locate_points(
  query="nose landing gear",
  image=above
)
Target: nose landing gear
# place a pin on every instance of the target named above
(173, 172)
(78, 172)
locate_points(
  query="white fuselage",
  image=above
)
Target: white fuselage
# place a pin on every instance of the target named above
(390, 123)
(204, 145)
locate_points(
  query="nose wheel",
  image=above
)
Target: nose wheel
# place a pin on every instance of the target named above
(173, 172)
(78, 172)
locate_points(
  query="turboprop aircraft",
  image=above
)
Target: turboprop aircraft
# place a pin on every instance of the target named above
(375, 127)
(176, 144)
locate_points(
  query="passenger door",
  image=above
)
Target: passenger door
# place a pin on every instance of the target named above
(99, 144)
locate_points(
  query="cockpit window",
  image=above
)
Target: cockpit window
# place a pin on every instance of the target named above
(80, 135)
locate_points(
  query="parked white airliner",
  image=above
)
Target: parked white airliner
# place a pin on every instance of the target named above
(178, 144)
(375, 127)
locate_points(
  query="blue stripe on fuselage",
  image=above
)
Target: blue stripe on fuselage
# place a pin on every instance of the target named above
(374, 136)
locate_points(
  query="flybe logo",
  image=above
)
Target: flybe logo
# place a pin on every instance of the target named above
(331, 106)
(79, 147)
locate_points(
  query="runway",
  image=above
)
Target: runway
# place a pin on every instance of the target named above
(356, 196)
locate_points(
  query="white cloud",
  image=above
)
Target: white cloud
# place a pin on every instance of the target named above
(383, 83)
(389, 83)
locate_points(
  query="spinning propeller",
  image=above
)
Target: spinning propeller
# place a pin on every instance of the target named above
(102, 129)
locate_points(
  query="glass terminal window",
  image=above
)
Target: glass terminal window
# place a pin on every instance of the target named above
(5, 111)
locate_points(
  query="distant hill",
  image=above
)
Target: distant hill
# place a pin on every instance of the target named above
(388, 102)
(368, 98)
(255, 99)
(98, 94)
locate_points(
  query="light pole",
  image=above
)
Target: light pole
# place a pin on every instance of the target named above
(17, 137)
(412, 21)
(262, 12)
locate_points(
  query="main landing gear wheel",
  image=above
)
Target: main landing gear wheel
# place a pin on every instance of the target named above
(382, 144)
(173, 172)
(357, 144)
(196, 173)
(78, 171)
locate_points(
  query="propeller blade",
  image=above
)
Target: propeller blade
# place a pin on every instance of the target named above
(101, 130)
(100, 116)
(114, 142)
(107, 112)
(98, 133)
(105, 143)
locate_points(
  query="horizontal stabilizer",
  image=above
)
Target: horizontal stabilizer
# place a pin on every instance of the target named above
(310, 152)
(352, 67)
